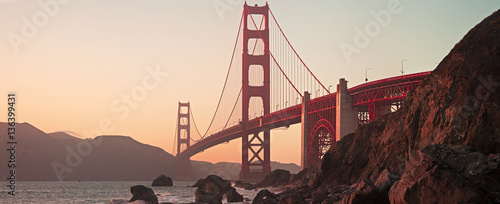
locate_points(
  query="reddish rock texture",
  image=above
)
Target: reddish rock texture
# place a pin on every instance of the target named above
(275, 178)
(449, 174)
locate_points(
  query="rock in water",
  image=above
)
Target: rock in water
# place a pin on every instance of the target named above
(207, 197)
(198, 183)
(162, 180)
(214, 183)
(144, 193)
(275, 178)
(233, 196)
(265, 197)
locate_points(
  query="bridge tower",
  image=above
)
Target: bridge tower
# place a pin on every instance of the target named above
(183, 141)
(257, 143)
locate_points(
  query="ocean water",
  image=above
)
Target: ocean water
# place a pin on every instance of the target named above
(98, 191)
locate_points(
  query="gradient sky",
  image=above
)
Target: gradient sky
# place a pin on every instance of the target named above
(79, 62)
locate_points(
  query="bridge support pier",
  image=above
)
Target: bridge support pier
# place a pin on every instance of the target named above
(304, 133)
(259, 165)
(184, 170)
(346, 115)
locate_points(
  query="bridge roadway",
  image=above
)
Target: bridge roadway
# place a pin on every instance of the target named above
(386, 91)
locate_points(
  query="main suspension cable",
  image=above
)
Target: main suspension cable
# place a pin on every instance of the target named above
(227, 76)
(296, 51)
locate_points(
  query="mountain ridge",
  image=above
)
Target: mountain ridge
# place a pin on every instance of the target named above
(62, 156)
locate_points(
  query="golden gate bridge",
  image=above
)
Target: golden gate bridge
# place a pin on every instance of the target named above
(277, 90)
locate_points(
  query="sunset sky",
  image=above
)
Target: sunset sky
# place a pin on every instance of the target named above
(72, 64)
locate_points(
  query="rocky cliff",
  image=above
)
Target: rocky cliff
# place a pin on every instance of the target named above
(443, 143)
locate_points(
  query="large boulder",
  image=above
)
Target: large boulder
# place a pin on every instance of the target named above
(143, 193)
(162, 180)
(233, 196)
(198, 183)
(307, 176)
(207, 197)
(365, 192)
(265, 197)
(449, 174)
(275, 178)
(214, 183)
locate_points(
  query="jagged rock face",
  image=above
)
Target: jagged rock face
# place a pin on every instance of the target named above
(449, 174)
(233, 196)
(457, 104)
(307, 176)
(275, 178)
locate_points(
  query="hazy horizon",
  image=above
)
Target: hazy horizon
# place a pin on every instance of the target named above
(72, 71)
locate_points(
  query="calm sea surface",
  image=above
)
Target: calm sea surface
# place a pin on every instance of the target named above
(96, 191)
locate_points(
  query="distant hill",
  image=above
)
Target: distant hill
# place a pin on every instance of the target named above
(53, 156)
(63, 136)
(103, 158)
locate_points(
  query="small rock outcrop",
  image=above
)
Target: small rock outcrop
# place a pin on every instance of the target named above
(233, 196)
(265, 197)
(143, 193)
(307, 176)
(214, 184)
(162, 180)
(198, 183)
(202, 196)
(275, 178)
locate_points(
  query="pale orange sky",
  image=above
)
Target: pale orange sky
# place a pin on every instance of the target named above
(71, 72)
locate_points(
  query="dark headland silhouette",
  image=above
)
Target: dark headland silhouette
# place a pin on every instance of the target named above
(109, 158)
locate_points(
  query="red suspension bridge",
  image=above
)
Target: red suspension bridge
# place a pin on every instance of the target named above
(277, 90)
